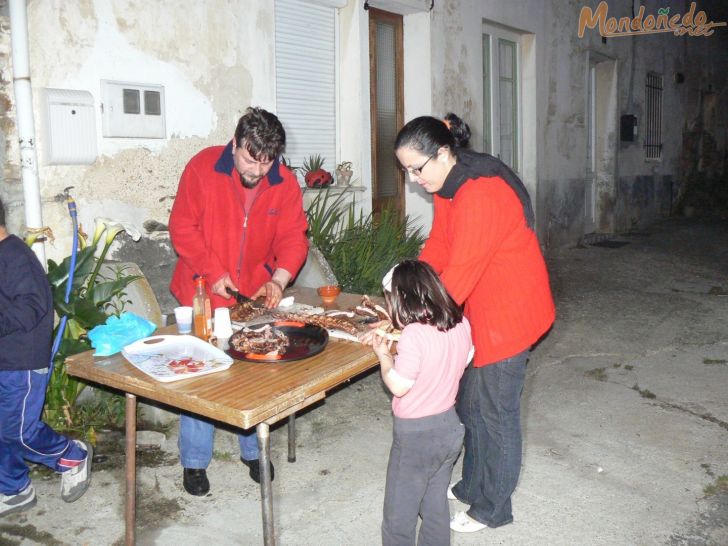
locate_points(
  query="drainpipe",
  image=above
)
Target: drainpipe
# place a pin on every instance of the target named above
(24, 114)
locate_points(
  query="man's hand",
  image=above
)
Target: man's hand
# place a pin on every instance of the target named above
(220, 286)
(273, 293)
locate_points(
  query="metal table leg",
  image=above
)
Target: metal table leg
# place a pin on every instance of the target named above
(266, 491)
(292, 438)
(130, 506)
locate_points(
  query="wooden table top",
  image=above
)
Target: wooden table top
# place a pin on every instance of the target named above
(247, 393)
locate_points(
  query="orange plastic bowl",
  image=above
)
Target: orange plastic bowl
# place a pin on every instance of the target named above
(328, 293)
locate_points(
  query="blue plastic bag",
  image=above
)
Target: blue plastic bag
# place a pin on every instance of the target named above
(118, 332)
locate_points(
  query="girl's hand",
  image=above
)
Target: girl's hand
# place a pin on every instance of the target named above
(381, 346)
(367, 337)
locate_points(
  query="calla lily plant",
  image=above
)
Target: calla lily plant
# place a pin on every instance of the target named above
(92, 299)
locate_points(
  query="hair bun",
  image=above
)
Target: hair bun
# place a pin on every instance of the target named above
(459, 129)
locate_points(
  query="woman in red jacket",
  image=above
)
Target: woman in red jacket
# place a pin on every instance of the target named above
(483, 246)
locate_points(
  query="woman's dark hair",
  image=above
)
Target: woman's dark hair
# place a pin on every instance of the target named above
(459, 129)
(418, 296)
(261, 133)
(427, 134)
(2, 214)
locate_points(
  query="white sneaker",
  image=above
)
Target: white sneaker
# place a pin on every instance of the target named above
(450, 494)
(75, 482)
(11, 504)
(463, 523)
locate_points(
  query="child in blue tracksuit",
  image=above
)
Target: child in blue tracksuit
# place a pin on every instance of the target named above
(26, 326)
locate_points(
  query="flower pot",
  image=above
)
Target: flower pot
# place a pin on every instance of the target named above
(329, 293)
(343, 178)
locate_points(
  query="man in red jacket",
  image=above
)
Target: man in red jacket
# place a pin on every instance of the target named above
(238, 220)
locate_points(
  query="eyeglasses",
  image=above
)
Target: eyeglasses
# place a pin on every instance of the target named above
(417, 171)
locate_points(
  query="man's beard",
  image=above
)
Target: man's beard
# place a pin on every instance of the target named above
(247, 183)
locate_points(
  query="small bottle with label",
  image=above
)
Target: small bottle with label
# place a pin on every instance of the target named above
(201, 310)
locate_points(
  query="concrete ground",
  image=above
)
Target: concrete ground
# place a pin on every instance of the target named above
(625, 417)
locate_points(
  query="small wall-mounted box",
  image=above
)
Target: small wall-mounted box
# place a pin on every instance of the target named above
(133, 110)
(70, 127)
(628, 128)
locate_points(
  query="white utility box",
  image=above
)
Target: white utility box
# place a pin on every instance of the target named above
(132, 110)
(70, 127)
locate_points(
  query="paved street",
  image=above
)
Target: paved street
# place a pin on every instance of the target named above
(625, 425)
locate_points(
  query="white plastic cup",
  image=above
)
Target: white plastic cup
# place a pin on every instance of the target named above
(222, 328)
(183, 316)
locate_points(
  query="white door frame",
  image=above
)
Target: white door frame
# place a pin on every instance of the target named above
(600, 172)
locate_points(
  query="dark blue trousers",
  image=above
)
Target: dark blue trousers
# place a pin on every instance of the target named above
(23, 436)
(423, 453)
(489, 405)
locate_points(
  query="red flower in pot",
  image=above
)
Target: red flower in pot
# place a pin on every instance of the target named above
(314, 174)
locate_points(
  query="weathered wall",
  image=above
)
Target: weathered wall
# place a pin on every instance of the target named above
(12, 192)
(213, 58)
(704, 161)
(631, 191)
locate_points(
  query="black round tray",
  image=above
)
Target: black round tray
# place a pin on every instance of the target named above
(305, 340)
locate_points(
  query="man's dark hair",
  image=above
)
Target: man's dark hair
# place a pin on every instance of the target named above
(261, 133)
(418, 295)
(2, 213)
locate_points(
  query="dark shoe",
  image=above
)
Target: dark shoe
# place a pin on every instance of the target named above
(254, 466)
(195, 481)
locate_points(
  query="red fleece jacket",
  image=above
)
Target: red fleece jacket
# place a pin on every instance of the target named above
(488, 258)
(213, 236)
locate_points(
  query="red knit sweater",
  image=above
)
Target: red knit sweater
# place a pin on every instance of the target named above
(488, 258)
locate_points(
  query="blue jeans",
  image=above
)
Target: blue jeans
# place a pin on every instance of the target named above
(23, 436)
(196, 440)
(489, 405)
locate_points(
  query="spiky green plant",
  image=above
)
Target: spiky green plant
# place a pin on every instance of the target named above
(287, 163)
(360, 248)
(313, 163)
(326, 214)
(369, 246)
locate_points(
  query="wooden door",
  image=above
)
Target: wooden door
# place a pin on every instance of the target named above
(386, 92)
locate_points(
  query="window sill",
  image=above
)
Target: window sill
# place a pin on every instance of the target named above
(335, 189)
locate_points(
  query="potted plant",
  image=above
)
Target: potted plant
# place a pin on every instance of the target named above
(289, 165)
(314, 174)
(94, 296)
(359, 249)
(344, 173)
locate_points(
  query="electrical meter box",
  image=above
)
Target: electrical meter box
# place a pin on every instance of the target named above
(70, 127)
(132, 110)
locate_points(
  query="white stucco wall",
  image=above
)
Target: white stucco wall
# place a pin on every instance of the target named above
(214, 59)
(457, 68)
(417, 77)
(553, 125)
(213, 62)
(354, 120)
